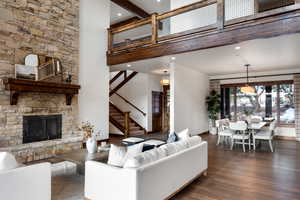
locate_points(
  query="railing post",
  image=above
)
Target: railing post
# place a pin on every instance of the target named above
(220, 14)
(256, 6)
(154, 28)
(126, 124)
(110, 40)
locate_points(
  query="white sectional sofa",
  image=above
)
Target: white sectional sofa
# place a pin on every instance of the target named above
(26, 183)
(158, 180)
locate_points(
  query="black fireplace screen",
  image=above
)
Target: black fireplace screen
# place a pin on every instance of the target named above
(41, 128)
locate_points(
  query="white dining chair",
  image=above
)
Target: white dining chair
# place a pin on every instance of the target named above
(224, 133)
(266, 134)
(240, 136)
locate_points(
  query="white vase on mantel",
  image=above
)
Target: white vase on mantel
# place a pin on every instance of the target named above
(91, 145)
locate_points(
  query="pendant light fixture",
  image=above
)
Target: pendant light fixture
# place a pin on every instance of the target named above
(165, 80)
(247, 89)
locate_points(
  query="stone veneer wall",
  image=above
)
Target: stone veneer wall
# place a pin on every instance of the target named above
(45, 27)
(215, 85)
(297, 104)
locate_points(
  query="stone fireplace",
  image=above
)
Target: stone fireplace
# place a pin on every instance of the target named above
(45, 114)
(27, 27)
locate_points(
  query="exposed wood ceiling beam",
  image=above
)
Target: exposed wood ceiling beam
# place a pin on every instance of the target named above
(131, 7)
(281, 25)
(127, 21)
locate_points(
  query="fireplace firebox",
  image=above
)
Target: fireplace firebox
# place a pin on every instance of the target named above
(41, 127)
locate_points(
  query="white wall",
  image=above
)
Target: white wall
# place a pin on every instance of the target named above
(189, 89)
(93, 71)
(139, 92)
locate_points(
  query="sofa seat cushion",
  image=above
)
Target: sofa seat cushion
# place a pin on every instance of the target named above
(7, 161)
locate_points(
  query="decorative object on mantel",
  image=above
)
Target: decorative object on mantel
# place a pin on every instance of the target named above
(69, 77)
(17, 86)
(213, 102)
(40, 68)
(89, 137)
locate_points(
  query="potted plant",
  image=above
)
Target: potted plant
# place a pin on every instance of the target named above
(213, 102)
(89, 137)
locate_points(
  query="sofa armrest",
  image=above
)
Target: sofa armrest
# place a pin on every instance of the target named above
(107, 182)
(30, 182)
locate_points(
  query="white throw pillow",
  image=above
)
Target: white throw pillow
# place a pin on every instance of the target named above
(134, 150)
(7, 161)
(183, 134)
(117, 156)
(192, 141)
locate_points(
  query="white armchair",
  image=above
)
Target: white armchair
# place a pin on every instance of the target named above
(29, 182)
(265, 135)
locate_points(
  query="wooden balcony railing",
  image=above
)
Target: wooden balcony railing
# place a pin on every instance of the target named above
(221, 24)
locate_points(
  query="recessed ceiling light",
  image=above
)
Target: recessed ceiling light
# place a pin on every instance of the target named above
(173, 58)
(119, 14)
(158, 0)
(237, 48)
(128, 65)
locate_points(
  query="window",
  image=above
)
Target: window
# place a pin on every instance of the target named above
(270, 100)
(287, 109)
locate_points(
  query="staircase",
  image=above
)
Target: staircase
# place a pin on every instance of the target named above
(121, 119)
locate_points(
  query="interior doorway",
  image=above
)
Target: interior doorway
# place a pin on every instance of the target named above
(166, 108)
(157, 111)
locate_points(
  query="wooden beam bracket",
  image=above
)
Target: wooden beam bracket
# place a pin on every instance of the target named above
(69, 98)
(14, 98)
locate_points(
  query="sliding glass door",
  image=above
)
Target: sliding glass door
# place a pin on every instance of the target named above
(273, 100)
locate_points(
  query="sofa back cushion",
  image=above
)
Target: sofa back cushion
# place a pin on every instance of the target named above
(7, 161)
(145, 158)
(192, 141)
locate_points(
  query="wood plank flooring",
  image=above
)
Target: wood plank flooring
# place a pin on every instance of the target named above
(261, 175)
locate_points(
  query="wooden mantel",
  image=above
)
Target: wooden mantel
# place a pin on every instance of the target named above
(17, 86)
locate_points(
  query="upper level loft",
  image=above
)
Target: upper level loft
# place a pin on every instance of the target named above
(201, 25)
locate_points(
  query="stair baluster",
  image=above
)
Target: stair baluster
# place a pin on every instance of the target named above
(127, 124)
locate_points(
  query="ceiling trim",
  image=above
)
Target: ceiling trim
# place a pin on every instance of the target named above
(124, 22)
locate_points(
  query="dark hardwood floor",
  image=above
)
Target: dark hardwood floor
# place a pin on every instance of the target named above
(261, 175)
